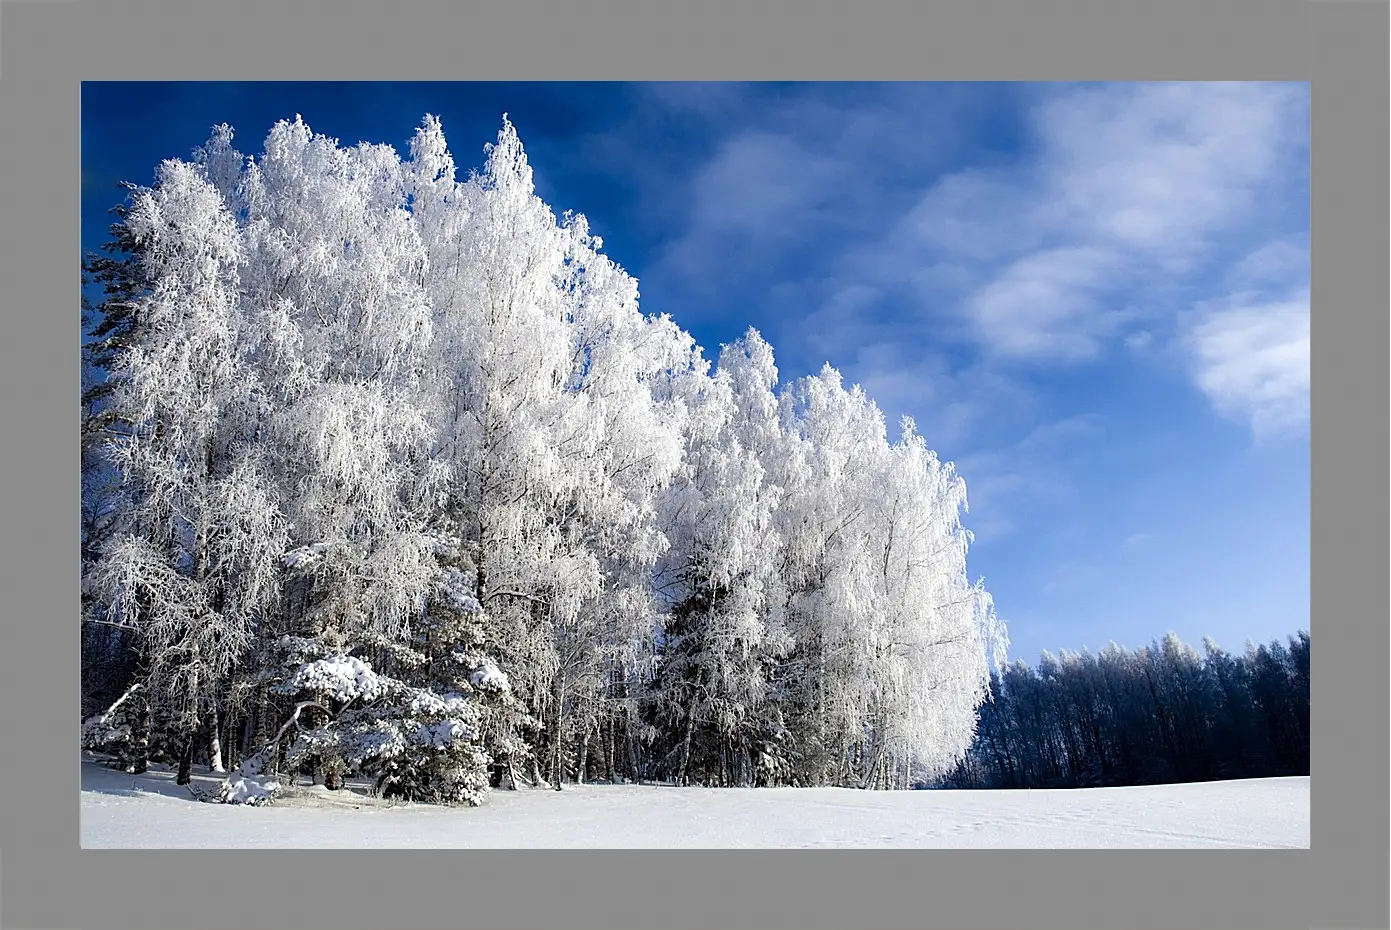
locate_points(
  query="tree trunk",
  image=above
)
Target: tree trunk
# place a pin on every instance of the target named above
(557, 755)
(480, 575)
(608, 749)
(536, 778)
(683, 773)
(264, 727)
(186, 762)
(248, 732)
(583, 760)
(232, 757)
(633, 764)
(876, 761)
(215, 744)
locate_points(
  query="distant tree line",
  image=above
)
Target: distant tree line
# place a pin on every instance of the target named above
(1160, 714)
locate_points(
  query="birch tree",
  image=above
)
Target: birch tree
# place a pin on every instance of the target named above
(192, 564)
(894, 642)
(720, 573)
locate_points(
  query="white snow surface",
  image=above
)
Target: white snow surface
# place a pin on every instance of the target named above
(125, 812)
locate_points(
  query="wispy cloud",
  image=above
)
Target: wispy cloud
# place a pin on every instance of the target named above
(1252, 359)
(793, 172)
(1162, 168)
(1125, 205)
(1040, 466)
(1050, 304)
(1274, 265)
(951, 247)
(948, 402)
(1248, 347)
(1126, 191)
(759, 194)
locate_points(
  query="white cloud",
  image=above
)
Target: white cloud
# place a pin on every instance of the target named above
(1132, 187)
(947, 402)
(758, 196)
(797, 169)
(973, 214)
(1252, 360)
(1049, 305)
(1161, 167)
(1280, 264)
(1125, 209)
(755, 181)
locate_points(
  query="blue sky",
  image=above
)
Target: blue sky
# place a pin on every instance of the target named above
(1093, 298)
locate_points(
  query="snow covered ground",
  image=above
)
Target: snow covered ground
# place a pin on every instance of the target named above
(150, 811)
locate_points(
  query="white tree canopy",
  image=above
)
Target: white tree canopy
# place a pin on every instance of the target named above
(418, 424)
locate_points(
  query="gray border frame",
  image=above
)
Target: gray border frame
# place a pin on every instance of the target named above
(46, 49)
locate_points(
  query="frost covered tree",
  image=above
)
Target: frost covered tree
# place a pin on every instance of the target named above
(720, 572)
(507, 440)
(628, 440)
(341, 329)
(348, 330)
(928, 627)
(893, 644)
(409, 488)
(189, 567)
(550, 442)
(109, 326)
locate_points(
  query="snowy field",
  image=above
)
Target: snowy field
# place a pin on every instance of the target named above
(150, 811)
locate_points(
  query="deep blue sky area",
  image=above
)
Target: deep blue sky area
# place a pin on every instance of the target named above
(1093, 298)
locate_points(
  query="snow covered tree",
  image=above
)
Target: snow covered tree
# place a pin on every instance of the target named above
(192, 562)
(411, 488)
(720, 572)
(342, 326)
(626, 437)
(930, 631)
(894, 644)
(498, 403)
(109, 325)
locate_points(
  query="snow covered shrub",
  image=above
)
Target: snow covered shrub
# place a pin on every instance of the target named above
(342, 679)
(427, 743)
(773, 761)
(249, 784)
